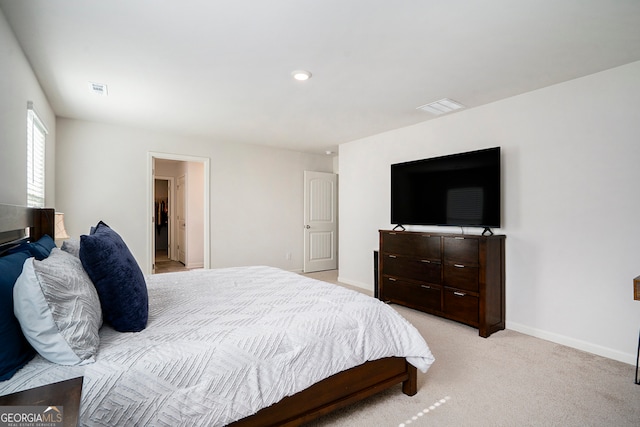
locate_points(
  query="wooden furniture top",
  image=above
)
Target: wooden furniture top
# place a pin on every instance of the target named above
(65, 394)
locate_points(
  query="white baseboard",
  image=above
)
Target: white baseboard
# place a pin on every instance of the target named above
(362, 285)
(195, 265)
(574, 343)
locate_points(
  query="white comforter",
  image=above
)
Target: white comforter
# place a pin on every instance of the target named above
(222, 344)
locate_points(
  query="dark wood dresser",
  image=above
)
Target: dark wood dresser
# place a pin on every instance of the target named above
(456, 276)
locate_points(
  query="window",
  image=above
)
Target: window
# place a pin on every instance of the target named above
(36, 138)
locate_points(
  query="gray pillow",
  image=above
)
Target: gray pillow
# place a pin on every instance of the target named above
(72, 246)
(58, 308)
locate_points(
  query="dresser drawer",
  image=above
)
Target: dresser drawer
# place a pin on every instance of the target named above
(461, 306)
(461, 250)
(421, 296)
(461, 276)
(418, 245)
(423, 270)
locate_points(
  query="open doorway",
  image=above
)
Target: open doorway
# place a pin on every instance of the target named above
(179, 232)
(164, 217)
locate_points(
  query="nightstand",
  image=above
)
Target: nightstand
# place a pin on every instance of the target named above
(64, 393)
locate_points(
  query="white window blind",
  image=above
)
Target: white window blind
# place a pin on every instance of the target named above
(36, 138)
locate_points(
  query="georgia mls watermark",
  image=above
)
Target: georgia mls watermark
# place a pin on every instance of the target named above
(31, 416)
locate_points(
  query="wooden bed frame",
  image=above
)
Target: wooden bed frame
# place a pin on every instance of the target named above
(332, 393)
(336, 392)
(19, 222)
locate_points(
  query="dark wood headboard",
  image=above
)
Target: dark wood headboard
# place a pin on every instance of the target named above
(16, 222)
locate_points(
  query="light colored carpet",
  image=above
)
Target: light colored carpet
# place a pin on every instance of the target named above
(164, 265)
(508, 379)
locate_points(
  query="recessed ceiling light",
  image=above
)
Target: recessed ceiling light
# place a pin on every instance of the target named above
(301, 75)
(98, 88)
(443, 106)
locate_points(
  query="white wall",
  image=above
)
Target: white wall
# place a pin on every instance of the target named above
(570, 203)
(18, 85)
(256, 212)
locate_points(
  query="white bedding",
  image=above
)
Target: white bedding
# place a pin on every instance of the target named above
(222, 344)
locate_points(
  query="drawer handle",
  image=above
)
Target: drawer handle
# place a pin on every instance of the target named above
(459, 238)
(425, 260)
(391, 279)
(425, 286)
(458, 265)
(460, 294)
(392, 256)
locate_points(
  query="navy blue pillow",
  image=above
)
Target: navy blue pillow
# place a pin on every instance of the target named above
(15, 350)
(117, 278)
(20, 247)
(42, 248)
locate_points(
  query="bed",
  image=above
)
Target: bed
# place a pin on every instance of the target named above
(243, 346)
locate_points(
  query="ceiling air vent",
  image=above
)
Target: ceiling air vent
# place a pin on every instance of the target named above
(443, 106)
(98, 88)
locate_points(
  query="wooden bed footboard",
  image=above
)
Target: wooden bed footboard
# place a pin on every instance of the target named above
(335, 392)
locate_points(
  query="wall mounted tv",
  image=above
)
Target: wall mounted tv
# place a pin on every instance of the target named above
(458, 190)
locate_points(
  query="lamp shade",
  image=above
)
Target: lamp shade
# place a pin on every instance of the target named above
(61, 232)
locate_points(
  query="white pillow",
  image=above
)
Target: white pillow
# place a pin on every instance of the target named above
(58, 308)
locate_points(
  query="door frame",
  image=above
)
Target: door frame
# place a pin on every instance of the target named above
(180, 244)
(151, 155)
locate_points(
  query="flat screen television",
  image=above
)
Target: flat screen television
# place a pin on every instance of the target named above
(457, 190)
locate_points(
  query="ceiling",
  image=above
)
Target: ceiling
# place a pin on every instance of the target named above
(222, 69)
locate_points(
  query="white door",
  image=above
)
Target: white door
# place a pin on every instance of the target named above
(181, 219)
(320, 221)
